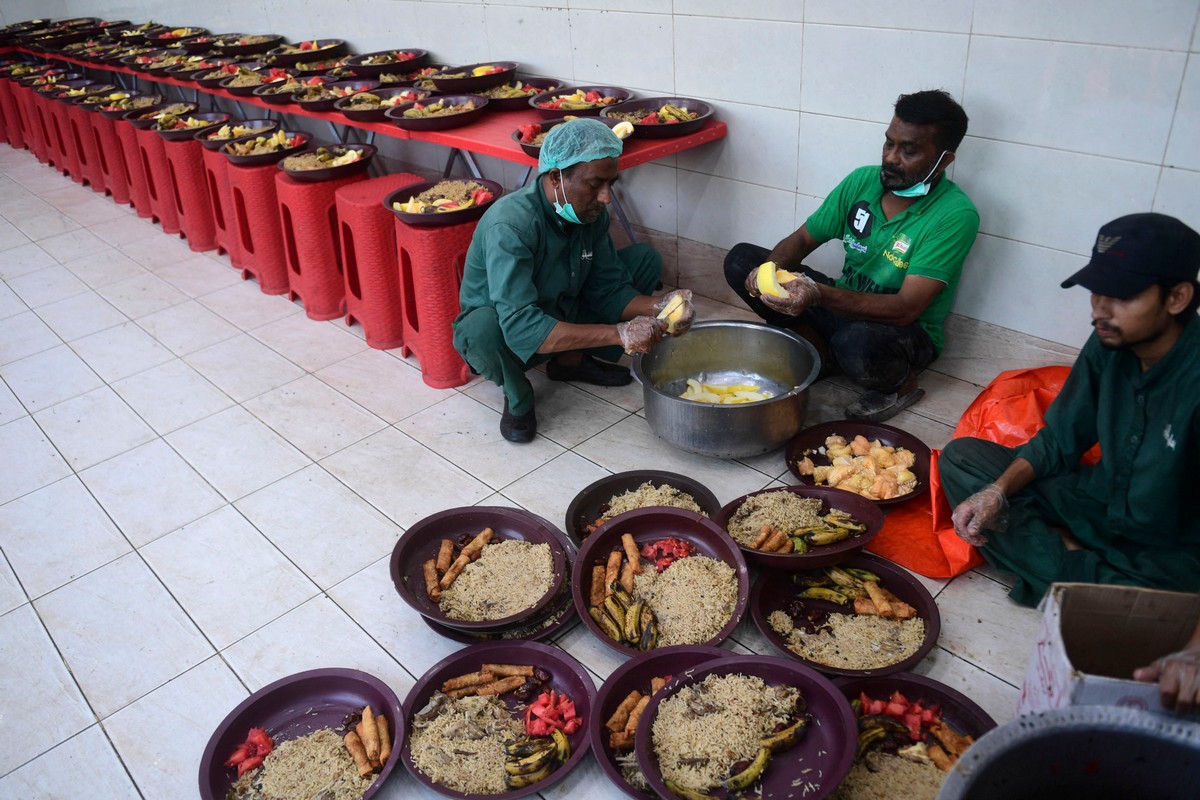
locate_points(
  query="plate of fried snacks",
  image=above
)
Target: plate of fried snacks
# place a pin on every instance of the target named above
(615, 494)
(623, 698)
(657, 577)
(878, 462)
(799, 527)
(479, 568)
(326, 732)
(498, 720)
(863, 617)
(912, 731)
(740, 725)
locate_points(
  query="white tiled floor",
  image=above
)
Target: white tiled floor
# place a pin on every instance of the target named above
(200, 489)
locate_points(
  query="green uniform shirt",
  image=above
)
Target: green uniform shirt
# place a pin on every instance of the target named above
(537, 269)
(1135, 510)
(930, 238)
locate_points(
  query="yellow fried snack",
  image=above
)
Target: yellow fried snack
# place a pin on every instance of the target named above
(866, 467)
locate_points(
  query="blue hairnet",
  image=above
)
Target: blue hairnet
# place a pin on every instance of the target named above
(576, 141)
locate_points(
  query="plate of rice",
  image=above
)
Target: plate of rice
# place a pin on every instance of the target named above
(615, 494)
(742, 724)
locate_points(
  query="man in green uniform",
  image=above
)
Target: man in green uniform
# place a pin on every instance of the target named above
(1135, 388)
(544, 282)
(906, 229)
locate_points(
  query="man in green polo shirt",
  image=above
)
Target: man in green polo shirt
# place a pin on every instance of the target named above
(906, 229)
(543, 281)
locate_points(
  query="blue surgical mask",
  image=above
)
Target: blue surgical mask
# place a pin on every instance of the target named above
(921, 188)
(566, 211)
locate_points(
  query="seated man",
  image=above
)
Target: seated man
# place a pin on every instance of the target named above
(1135, 389)
(543, 280)
(906, 229)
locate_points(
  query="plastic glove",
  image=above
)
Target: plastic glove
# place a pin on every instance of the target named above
(685, 317)
(802, 294)
(640, 334)
(1178, 677)
(987, 508)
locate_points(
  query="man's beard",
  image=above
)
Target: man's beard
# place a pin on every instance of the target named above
(895, 179)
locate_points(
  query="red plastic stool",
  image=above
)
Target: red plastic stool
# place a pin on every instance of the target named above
(216, 177)
(431, 266)
(139, 186)
(255, 220)
(158, 179)
(373, 297)
(308, 221)
(13, 132)
(111, 157)
(85, 145)
(40, 127)
(62, 142)
(190, 193)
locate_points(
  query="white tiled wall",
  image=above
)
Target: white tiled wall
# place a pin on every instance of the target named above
(1081, 110)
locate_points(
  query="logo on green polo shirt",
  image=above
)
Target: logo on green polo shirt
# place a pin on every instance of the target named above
(901, 244)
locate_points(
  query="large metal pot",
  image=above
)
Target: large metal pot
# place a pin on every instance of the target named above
(726, 350)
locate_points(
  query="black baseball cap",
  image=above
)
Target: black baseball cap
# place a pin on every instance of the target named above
(1134, 252)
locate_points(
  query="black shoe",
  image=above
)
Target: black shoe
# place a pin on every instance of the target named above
(518, 429)
(589, 370)
(873, 406)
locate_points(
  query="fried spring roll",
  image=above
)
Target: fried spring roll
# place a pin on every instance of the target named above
(476, 545)
(466, 691)
(468, 554)
(597, 593)
(631, 552)
(612, 571)
(656, 684)
(432, 589)
(470, 679)
(774, 541)
(385, 739)
(786, 547)
(501, 686)
(940, 757)
(358, 753)
(632, 723)
(878, 598)
(509, 670)
(762, 537)
(627, 577)
(445, 556)
(955, 743)
(620, 740)
(370, 735)
(616, 722)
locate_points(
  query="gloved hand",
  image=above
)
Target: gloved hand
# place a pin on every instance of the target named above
(684, 317)
(1178, 677)
(802, 294)
(987, 508)
(640, 334)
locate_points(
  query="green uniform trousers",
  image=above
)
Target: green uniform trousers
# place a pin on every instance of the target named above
(478, 337)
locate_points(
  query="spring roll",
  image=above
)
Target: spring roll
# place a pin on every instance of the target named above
(476, 545)
(632, 723)
(940, 757)
(878, 598)
(445, 556)
(786, 547)
(627, 577)
(429, 568)
(619, 717)
(774, 541)
(612, 571)
(468, 554)
(466, 691)
(620, 740)
(470, 679)
(385, 739)
(656, 684)
(509, 670)
(762, 537)
(371, 734)
(597, 593)
(501, 686)
(631, 552)
(358, 753)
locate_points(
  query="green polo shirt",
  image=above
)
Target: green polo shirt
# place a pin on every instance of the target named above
(930, 238)
(537, 269)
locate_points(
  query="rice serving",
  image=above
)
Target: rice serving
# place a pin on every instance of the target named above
(316, 765)
(692, 599)
(508, 578)
(461, 745)
(852, 641)
(704, 729)
(458, 191)
(648, 495)
(780, 510)
(882, 776)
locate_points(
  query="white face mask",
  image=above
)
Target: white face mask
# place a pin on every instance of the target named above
(921, 188)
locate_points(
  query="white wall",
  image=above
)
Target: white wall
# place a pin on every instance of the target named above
(1081, 110)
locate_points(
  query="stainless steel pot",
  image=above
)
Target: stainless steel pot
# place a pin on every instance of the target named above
(729, 351)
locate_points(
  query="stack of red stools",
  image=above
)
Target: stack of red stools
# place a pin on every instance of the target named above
(86, 145)
(190, 193)
(431, 266)
(12, 117)
(62, 144)
(309, 224)
(111, 157)
(220, 196)
(39, 124)
(372, 273)
(139, 184)
(158, 178)
(255, 221)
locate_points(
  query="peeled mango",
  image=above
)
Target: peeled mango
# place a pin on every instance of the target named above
(672, 313)
(770, 277)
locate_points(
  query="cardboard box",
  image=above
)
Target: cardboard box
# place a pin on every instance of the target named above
(1093, 637)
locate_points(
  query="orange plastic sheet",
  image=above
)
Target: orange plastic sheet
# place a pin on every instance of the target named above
(919, 534)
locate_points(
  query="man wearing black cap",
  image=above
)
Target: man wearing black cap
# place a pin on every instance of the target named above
(1135, 389)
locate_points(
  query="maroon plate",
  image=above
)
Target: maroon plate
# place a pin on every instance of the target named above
(636, 673)
(589, 504)
(215, 120)
(262, 159)
(442, 122)
(408, 93)
(326, 48)
(334, 173)
(326, 103)
(246, 91)
(704, 110)
(143, 118)
(296, 706)
(471, 83)
(535, 102)
(421, 541)
(649, 525)
(371, 70)
(808, 440)
(521, 103)
(119, 113)
(774, 590)
(437, 219)
(862, 509)
(225, 46)
(959, 711)
(260, 127)
(567, 676)
(812, 768)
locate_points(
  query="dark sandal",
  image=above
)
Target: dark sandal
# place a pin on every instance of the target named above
(873, 406)
(589, 370)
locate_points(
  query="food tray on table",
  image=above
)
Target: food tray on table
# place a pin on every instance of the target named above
(474, 76)
(514, 95)
(579, 101)
(479, 203)
(312, 50)
(810, 442)
(258, 127)
(592, 501)
(298, 141)
(382, 62)
(212, 120)
(671, 115)
(441, 120)
(333, 170)
(378, 111)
